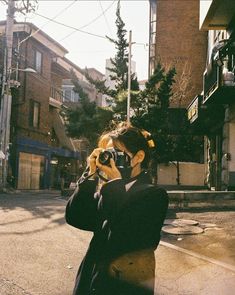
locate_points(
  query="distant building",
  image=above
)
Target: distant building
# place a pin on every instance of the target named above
(96, 75)
(142, 84)
(109, 82)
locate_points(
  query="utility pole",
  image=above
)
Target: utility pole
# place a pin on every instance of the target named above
(6, 97)
(129, 78)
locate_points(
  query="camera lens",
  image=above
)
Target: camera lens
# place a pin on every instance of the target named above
(104, 157)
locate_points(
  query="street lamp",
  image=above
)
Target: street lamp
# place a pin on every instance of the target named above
(29, 70)
(17, 70)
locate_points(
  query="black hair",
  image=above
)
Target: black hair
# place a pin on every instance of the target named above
(134, 139)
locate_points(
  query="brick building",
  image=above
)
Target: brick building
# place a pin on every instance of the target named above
(175, 40)
(41, 154)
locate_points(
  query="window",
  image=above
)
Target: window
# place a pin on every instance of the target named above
(38, 61)
(67, 95)
(70, 95)
(152, 36)
(34, 114)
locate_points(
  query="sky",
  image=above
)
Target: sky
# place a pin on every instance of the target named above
(96, 17)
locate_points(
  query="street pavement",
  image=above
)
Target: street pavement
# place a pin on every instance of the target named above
(40, 253)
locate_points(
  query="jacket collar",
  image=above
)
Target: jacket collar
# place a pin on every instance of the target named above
(141, 178)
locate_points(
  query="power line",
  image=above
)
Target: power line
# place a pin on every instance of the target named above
(70, 27)
(106, 20)
(91, 22)
(39, 29)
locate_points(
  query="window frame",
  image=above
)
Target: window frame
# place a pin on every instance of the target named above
(34, 121)
(36, 66)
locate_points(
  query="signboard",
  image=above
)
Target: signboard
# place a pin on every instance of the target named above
(193, 110)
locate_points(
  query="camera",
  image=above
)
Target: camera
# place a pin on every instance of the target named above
(121, 159)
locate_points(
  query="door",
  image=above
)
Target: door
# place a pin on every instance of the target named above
(31, 170)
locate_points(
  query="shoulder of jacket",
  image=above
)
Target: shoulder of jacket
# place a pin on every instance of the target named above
(155, 192)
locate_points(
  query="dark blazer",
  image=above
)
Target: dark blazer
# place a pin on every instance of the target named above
(122, 222)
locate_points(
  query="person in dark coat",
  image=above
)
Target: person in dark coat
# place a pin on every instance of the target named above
(126, 216)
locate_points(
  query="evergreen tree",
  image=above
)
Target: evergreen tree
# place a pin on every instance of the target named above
(119, 73)
(87, 120)
(150, 107)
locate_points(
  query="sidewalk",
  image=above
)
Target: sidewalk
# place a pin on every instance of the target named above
(185, 273)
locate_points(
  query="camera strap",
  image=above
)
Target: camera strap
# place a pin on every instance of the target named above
(101, 176)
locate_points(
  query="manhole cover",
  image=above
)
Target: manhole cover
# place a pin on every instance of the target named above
(182, 230)
(180, 222)
(208, 225)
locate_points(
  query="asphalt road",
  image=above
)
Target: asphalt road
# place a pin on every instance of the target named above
(40, 253)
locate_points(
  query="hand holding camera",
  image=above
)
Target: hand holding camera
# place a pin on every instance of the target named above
(110, 161)
(103, 161)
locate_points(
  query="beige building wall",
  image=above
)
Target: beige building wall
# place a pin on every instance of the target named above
(191, 174)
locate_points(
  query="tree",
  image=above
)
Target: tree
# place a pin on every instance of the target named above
(119, 73)
(87, 120)
(150, 107)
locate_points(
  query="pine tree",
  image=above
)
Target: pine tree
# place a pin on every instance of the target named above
(119, 73)
(87, 120)
(150, 107)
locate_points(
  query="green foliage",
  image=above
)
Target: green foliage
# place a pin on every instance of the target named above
(87, 120)
(150, 107)
(120, 62)
(169, 127)
(119, 73)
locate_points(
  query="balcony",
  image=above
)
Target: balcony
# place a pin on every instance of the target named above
(204, 119)
(218, 78)
(216, 14)
(217, 90)
(56, 97)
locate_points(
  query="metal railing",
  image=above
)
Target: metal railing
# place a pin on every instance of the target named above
(56, 93)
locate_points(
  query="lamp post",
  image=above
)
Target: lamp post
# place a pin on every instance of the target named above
(129, 78)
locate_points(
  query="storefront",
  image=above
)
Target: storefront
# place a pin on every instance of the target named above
(40, 166)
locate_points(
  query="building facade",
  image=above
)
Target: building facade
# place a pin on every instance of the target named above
(175, 40)
(41, 154)
(213, 112)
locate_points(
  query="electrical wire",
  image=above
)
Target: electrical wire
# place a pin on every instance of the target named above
(106, 20)
(70, 27)
(49, 20)
(90, 22)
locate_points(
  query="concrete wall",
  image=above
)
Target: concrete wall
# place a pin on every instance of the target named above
(191, 174)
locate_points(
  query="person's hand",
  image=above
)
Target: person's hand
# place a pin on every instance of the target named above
(92, 160)
(111, 171)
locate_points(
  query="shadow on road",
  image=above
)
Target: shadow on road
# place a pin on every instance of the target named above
(20, 212)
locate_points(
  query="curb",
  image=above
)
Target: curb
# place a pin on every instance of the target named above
(201, 199)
